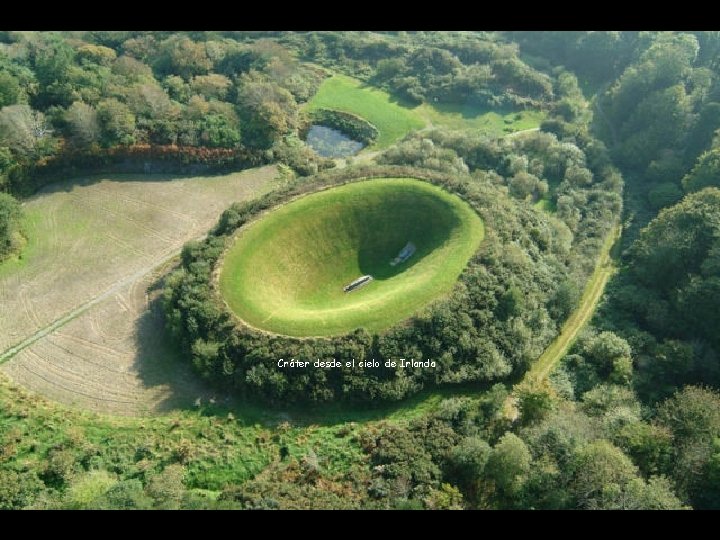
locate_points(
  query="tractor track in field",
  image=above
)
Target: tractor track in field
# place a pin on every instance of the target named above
(82, 308)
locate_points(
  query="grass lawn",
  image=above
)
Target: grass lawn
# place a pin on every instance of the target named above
(395, 119)
(344, 93)
(491, 123)
(286, 272)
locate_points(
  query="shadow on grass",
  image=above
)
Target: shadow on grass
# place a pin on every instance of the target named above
(379, 266)
(158, 362)
(468, 111)
(427, 224)
(83, 180)
(393, 97)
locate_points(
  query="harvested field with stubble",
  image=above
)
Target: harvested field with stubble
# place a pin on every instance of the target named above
(78, 300)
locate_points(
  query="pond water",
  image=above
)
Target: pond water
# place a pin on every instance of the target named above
(331, 143)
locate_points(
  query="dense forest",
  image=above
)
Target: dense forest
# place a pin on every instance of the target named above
(630, 418)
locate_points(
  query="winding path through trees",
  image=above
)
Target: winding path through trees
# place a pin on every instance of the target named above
(581, 316)
(589, 301)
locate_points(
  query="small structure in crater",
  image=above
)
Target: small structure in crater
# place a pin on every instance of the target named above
(359, 282)
(404, 255)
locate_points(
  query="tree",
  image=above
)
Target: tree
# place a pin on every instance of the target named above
(660, 121)
(96, 54)
(606, 398)
(10, 214)
(601, 473)
(18, 489)
(216, 130)
(649, 445)
(508, 464)
(511, 303)
(697, 302)
(387, 68)
(7, 162)
(468, 459)
(665, 194)
(87, 488)
(182, 56)
(670, 364)
(524, 185)
(26, 132)
(705, 173)
(132, 69)
(83, 122)
(675, 242)
(692, 413)
(205, 355)
(535, 402)
(268, 111)
(655, 494)
(10, 90)
(673, 259)
(125, 495)
(605, 349)
(666, 168)
(565, 299)
(117, 122)
(448, 497)
(701, 135)
(150, 100)
(650, 103)
(166, 488)
(423, 152)
(52, 61)
(622, 370)
(60, 467)
(597, 54)
(693, 417)
(213, 86)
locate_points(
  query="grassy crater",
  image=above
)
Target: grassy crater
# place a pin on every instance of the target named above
(285, 272)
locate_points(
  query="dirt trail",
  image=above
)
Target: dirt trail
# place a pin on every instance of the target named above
(559, 347)
(581, 316)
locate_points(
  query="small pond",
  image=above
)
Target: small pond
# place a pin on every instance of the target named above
(331, 143)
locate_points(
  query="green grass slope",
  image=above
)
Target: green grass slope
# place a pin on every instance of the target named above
(285, 273)
(492, 123)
